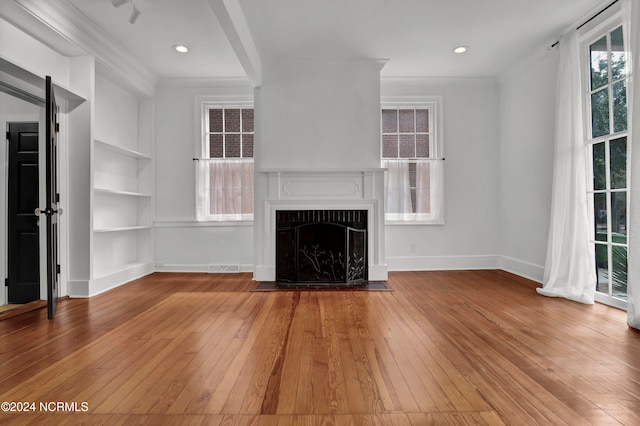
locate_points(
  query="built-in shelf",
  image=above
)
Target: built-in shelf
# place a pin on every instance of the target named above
(120, 150)
(122, 228)
(122, 185)
(117, 192)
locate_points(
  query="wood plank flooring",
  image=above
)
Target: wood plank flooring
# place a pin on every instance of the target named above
(454, 348)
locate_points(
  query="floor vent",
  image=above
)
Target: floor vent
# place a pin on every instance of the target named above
(213, 269)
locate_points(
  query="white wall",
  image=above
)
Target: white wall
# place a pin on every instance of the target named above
(527, 120)
(498, 145)
(116, 114)
(11, 110)
(469, 237)
(180, 242)
(319, 115)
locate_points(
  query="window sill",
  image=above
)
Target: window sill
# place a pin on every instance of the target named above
(412, 222)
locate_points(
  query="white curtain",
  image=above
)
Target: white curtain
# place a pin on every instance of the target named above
(428, 190)
(570, 263)
(225, 189)
(423, 188)
(631, 13)
(398, 193)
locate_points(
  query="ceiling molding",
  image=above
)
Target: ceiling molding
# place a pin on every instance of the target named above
(217, 82)
(67, 21)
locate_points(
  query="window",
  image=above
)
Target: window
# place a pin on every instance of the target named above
(410, 152)
(225, 170)
(607, 140)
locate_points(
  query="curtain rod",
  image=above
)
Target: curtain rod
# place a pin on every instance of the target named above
(225, 159)
(590, 19)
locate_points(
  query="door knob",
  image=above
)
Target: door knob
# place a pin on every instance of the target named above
(48, 211)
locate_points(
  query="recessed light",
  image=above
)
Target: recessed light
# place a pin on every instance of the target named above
(181, 48)
(460, 49)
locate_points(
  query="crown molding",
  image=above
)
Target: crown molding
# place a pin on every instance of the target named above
(242, 83)
(68, 22)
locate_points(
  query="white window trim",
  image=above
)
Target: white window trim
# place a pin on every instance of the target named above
(201, 150)
(436, 151)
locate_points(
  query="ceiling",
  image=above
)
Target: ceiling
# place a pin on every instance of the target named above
(415, 36)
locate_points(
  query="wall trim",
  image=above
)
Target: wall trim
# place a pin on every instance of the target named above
(89, 288)
(78, 289)
(443, 263)
(200, 268)
(522, 268)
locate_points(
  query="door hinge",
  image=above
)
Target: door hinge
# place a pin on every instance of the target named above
(8, 135)
(57, 127)
(57, 269)
(6, 282)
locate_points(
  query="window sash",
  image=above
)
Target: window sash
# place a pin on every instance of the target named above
(399, 133)
(224, 184)
(413, 183)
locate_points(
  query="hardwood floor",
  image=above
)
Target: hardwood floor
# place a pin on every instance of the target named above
(457, 347)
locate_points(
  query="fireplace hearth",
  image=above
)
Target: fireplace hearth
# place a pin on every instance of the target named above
(321, 246)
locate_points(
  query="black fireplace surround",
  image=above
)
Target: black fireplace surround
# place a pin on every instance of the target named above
(321, 246)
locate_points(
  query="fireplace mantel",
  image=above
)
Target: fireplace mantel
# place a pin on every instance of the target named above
(320, 189)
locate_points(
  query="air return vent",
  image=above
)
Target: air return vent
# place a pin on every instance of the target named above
(217, 269)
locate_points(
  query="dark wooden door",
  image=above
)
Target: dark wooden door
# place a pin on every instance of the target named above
(23, 259)
(52, 209)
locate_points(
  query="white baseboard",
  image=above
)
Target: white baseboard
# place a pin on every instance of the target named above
(89, 288)
(380, 272)
(441, 263)
(204, 267)
(106, 283)
(78, 289)
(522, 268)
(83, 289)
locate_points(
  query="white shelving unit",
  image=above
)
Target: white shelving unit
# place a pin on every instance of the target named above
(122, 186)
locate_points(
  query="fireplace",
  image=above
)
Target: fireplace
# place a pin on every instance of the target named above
(321, 246)
(343, 206)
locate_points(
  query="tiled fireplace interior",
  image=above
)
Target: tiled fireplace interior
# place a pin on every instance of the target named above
(321, 246)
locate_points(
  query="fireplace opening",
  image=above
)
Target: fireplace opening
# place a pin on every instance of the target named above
(321, 246)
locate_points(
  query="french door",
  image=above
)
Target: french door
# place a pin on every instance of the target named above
(608, 144)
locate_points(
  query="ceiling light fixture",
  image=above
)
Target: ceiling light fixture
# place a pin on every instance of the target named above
(181, 48)
(134, 13)
(460, 49)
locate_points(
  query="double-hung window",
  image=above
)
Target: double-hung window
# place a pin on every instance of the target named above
(412, 155)
(225, 168)
(606, 138)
